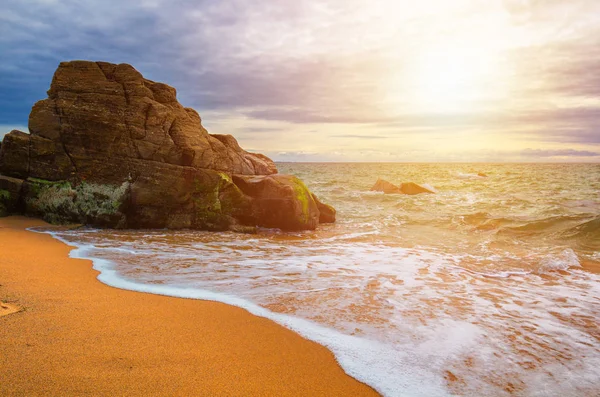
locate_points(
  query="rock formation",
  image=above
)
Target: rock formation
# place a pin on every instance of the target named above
(111, 148)
(404, 188)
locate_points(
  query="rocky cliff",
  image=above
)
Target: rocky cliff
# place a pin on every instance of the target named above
(111, 148)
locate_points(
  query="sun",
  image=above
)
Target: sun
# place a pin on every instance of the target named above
(453, 79)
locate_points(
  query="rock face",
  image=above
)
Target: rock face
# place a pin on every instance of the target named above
(404, 188)
(111, 148)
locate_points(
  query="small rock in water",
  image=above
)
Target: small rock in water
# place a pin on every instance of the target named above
(404, 188)
(385, 187)
(413, 188)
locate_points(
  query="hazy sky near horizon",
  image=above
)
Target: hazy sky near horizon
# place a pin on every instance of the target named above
(339, 80)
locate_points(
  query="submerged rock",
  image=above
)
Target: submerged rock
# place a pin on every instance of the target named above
(111, 148)
(404, 188)
(385, 187)
(413, 188)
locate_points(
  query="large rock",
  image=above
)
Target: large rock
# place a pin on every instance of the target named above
(109, 147)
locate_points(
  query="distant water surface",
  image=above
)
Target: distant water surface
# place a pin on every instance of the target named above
(489, 287)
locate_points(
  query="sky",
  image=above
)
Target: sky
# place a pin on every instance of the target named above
(339, 80)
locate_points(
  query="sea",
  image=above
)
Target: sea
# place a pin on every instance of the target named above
(489, 287)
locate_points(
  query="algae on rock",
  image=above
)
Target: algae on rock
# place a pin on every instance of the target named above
(60, 202)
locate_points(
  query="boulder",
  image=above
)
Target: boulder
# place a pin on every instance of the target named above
(111, 148)
(279, 201)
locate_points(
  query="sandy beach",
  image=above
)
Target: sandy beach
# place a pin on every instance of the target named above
(76, 336)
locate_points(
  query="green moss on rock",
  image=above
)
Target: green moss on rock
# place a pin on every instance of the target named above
(304, 197)
(60, 202)
(218, 202)
(207, 204)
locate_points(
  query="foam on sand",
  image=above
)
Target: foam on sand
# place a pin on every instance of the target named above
(407, 321)
(390, 371)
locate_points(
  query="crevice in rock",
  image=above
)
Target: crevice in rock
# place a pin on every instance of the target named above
(230, 155)
(125, 93)
(212, 163)
(132, 145)
(146, 114)
(102, 71)
(249, 161)
(170, 130)
(190, 167)
(29, 155)
(60, 136)
(113, 79)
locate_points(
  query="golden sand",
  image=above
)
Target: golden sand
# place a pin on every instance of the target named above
(77, 336)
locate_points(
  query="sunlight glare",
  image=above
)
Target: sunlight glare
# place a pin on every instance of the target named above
(453, 79)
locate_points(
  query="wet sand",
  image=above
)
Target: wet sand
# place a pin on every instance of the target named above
(72, 335)
(591, 266)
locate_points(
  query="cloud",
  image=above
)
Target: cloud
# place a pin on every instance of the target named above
(327, 62)
(360, 136)
(558, 153)
(259, 130)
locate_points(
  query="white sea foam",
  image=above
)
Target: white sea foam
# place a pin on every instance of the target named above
(462, 175)
(429, 187)
(565, 260)
(390, 371)
(405, 345)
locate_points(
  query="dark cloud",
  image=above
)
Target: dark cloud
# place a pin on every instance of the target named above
(36, 36)
(220, 55)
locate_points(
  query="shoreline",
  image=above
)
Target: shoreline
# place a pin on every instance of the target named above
(76, 335)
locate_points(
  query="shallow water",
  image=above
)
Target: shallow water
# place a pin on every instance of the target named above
(484, 288)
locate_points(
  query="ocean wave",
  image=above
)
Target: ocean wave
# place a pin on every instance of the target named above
(589, 230)
(462, 175)
(568, 225)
